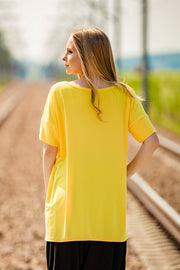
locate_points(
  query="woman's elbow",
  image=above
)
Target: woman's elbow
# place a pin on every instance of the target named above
(49, 149)
(153, 141)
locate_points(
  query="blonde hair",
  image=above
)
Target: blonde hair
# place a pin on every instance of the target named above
(94, 50)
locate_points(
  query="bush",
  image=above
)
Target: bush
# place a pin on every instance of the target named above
(164, 98)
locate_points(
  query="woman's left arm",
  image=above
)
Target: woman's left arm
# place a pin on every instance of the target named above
(49, 158)
(145, 152)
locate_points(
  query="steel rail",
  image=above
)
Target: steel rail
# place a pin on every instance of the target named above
(156, 205)
(169, 145)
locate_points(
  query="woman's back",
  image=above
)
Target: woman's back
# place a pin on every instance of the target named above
(87, 190)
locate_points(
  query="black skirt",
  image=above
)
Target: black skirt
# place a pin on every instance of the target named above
(86, 255)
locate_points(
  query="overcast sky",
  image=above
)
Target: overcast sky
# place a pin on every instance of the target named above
(44, 25)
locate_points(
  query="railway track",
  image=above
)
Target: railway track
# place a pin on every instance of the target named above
(155, 248)
(155, 204)
(10, 98)
(153, 224)
(13, 93)
(154, 236)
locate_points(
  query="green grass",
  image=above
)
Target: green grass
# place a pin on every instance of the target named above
(164, 97)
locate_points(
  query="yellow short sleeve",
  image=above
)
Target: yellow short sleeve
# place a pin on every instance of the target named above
(49, 124)
(139, 124)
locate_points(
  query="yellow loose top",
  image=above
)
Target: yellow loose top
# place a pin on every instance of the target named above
(86, 197)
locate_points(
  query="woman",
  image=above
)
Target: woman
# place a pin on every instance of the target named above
(84, 128)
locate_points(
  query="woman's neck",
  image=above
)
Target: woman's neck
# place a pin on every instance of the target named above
(98, 83)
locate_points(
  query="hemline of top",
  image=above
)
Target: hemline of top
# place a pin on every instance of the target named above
(86, 239)
(85, 88)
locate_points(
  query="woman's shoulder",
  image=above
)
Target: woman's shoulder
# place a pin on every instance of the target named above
(58, 87)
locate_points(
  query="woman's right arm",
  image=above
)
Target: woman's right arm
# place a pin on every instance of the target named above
(49, 158)
(143, 155)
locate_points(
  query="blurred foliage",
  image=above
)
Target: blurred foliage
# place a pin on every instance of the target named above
(5, 60)
(9, 67)
(164, 98)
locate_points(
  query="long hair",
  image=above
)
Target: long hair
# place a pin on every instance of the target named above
(94, 50)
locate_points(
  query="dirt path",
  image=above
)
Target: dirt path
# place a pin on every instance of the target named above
(22, 191)
(21, 187)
